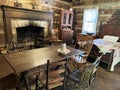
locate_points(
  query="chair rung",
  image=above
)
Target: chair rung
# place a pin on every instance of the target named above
(56, 79)
(52, 79)
(53, 82)
(50, 86)
(56, 72)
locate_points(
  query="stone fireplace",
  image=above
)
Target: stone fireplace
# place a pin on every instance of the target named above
(23, 25)
(26, 30)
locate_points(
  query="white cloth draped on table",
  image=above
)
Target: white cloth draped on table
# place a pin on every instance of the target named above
(107, 47)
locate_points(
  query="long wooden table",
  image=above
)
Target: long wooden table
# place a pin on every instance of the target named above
(27, 60)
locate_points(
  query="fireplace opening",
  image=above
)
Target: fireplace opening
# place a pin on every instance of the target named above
(29, 33)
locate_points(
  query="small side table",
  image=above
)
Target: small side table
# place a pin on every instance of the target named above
(53, 40)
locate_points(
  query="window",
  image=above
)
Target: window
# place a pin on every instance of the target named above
(90, 21)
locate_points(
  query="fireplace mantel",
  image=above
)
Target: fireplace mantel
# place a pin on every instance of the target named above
(10, 13)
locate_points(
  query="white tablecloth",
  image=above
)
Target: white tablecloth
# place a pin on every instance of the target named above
(107, 47)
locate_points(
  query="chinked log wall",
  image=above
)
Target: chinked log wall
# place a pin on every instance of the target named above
(106, 9)
(8, 13)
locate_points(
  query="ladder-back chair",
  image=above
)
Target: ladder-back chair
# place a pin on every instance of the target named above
(54, 76)
(83, 43)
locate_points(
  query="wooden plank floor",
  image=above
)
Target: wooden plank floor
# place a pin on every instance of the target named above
(107, 80)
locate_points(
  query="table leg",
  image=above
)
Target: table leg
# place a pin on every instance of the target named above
(26, 80)
(64, 82)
